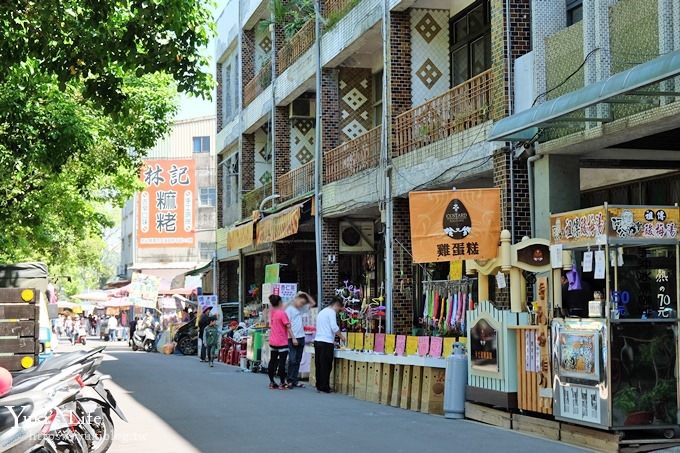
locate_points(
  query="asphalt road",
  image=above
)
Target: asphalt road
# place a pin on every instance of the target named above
(177, 404)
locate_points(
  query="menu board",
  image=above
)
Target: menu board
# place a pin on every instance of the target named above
(579, 354)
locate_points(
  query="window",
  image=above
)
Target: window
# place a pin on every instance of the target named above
(207, 196)
(470, 35)
(377, 98)
(201, 144)
(205, 250)
(574, 11)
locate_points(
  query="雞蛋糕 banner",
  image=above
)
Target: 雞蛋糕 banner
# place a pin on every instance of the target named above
(455, 225)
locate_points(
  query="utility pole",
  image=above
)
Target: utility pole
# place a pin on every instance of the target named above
(386, 165)
(318, 159)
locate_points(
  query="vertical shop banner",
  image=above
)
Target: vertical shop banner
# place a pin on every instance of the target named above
(144, 290)
(209, 301)
(166, 206)
(451, 225)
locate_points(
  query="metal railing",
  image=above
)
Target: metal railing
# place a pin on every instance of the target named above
(258, 84)
(335, 9)
(351, 157)
(297, 182)
(462, 107)
(298, 44)
(251, 200)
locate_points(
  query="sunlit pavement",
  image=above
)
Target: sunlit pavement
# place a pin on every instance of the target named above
(177, 404)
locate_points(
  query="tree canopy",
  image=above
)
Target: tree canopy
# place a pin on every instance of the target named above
(86, 88)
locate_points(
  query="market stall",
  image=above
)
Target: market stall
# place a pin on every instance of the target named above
(614, 336)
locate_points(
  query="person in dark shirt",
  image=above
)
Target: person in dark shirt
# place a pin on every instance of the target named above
(202, 324)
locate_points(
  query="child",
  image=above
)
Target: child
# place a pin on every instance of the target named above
(211, 338)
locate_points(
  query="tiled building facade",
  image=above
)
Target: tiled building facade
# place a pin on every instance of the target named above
(450, 81)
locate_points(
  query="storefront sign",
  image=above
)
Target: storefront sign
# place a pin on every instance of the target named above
(484, 346)
(278, 226)
(576, 227)
(240, 237)
(455, 225)
(580, 403)
(579, 354)
(271, 273)
(209, 301)
(643, 223)
(143, 290)
(166, 206)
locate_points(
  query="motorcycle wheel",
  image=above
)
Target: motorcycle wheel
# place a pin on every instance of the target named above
(134, 346)
(83, 341)
(104, 432)
(73, 442)
(148, 346)
(187, 346)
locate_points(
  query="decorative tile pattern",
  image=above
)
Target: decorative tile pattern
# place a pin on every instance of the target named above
(430, 65)
(429, 73)
(301, 141)
(356, 95)
(263, 47)
(263, 162)
(428, 27)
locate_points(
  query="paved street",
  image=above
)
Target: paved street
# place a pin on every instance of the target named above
(176, 404)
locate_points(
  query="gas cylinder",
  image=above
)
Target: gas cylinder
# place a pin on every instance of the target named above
(455, 383)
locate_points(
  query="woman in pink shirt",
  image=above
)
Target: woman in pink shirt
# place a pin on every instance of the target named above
(279, 332)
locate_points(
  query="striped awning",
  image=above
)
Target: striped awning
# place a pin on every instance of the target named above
(278, 226)
(240, 237)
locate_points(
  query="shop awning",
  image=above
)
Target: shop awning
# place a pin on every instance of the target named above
(240, 236)
(278, 226)
(554, 113)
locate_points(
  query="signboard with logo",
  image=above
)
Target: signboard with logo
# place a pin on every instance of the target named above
(483, 346)
(166, 206)
(144, 290)
(455, 225)
(656, 223)
(585, 226)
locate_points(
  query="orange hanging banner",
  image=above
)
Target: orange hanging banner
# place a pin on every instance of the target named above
(451, 225)
(240, 237)
(278, 226)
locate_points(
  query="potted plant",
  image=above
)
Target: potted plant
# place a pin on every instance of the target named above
(636, 409)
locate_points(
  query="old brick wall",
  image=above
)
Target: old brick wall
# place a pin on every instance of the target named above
(330, 246)
(282, 156)
(247, 162)
(219, 98)
(228, 281)
(330, 110)
(402, 293)
(400, 53)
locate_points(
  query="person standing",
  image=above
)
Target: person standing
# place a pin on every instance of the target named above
(295, 311)
(113, 325)
(211, 339)
(324, 344)
(279, 332)
(202, 324)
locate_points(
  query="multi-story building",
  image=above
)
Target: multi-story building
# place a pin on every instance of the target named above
(456, 69)
(169, 228)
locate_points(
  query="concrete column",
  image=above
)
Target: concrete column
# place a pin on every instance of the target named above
(596, 36)
(402, 293)
(556, 189)
(666, 39)
(549, 17)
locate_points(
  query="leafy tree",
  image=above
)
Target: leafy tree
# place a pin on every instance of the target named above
(101, 42)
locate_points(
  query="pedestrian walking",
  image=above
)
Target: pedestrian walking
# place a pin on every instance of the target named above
(295, 311)
(211, 339)
(112, 324)
(324, 344)
(279, 332)
(202, 324)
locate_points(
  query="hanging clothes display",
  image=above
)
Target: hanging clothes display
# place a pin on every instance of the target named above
(445, 303)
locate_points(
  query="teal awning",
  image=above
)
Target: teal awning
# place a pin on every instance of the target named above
(524, 125)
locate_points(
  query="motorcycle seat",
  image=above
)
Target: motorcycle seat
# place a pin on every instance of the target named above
(25, 382)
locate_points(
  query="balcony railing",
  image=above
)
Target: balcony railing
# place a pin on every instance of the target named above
(297, 182)
(334, 10)
(462, 107)
(258, 84)
(298, 44)
(252, 199)
(353, 156)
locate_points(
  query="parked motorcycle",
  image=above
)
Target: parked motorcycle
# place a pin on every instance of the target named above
(80, 337)
(86, 416)
(144, 339)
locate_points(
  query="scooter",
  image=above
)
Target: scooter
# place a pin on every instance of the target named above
(143, 339)
(80, 336)
(88, 413)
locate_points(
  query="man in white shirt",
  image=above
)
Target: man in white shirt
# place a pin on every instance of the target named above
(295, 311)
(324, 344)
(113, 325)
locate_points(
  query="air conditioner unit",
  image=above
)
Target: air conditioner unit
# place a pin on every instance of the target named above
(302, 108)
(356, 236)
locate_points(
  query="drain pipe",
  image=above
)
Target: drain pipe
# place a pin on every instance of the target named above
(530, 173)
